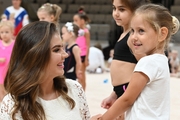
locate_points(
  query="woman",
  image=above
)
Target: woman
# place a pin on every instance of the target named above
(35, 84)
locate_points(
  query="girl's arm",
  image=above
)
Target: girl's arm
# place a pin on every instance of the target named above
(2, 60)
(87, 36)
(137, 83)
(76, 52)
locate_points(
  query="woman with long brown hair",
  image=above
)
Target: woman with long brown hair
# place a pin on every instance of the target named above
(34, 82)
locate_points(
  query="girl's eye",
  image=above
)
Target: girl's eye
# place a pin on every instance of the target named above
(141, 31)
(113, 8)
(121, 9)
(132, 31)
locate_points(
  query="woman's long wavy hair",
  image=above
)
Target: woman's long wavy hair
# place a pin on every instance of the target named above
(30, 56)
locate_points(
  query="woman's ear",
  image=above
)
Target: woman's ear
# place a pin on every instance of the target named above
(163, 34)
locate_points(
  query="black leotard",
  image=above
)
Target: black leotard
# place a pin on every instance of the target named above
(122, 51)
(70, 64)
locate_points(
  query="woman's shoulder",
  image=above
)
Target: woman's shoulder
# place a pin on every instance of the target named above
(72, 84)
(6, 105)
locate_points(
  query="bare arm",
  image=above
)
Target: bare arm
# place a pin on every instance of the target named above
(76, 52)
(137, 83)
(87, 36)
(2, 60)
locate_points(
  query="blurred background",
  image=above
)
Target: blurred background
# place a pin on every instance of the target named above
(103, 28)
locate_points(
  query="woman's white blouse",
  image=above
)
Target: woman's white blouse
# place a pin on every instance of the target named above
(56, 109)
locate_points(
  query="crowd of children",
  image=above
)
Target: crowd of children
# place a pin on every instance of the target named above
(66, 52)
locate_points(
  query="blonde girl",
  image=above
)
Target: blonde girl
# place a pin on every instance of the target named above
(49, 12)
(73, 61)
(83, 41)
(6, 46)
(147, 95)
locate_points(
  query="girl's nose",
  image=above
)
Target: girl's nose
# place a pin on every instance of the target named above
(116, 13)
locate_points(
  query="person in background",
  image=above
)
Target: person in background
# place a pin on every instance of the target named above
(81, 19)
(174, 63)
(143, 98)
(20, 15)
(111, 53)
(73, 61)
(96, 60)
(49, 12)
(6, 46)
(36, 88)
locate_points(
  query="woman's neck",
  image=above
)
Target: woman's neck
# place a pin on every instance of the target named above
(47, 90)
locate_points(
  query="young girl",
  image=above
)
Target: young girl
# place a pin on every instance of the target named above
(81, 19)
(6, 46)
(148, 95)
(49, 12)
(73, 62)
(123, 61)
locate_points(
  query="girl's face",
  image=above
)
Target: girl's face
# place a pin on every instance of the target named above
(6, 33)
(143, 37)
(44, 16)
(65, 34)
(78, 21)
(58, 55)
(121, 14)
(16, 3)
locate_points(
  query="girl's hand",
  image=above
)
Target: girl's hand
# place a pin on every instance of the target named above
(96, 117)
(107, 102)
(2, 60)
(86, 62)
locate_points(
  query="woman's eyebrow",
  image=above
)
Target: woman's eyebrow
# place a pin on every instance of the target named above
(57, 46)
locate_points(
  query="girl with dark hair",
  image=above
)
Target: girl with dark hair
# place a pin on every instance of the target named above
(83, 41)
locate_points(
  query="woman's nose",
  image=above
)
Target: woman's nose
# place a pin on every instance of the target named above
(65, 54)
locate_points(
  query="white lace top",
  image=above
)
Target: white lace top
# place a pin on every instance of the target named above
(56, 109)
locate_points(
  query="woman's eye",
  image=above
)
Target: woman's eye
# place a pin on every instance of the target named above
(56, 50)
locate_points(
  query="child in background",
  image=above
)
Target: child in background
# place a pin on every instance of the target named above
(143, 98)
(49, 12)
(6, 46)
(72, 69)
(174, 61)
(20, 15)
(81, 19)
(111, 53)
(96, 60)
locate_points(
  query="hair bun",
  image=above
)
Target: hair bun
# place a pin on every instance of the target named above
(175, 27)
